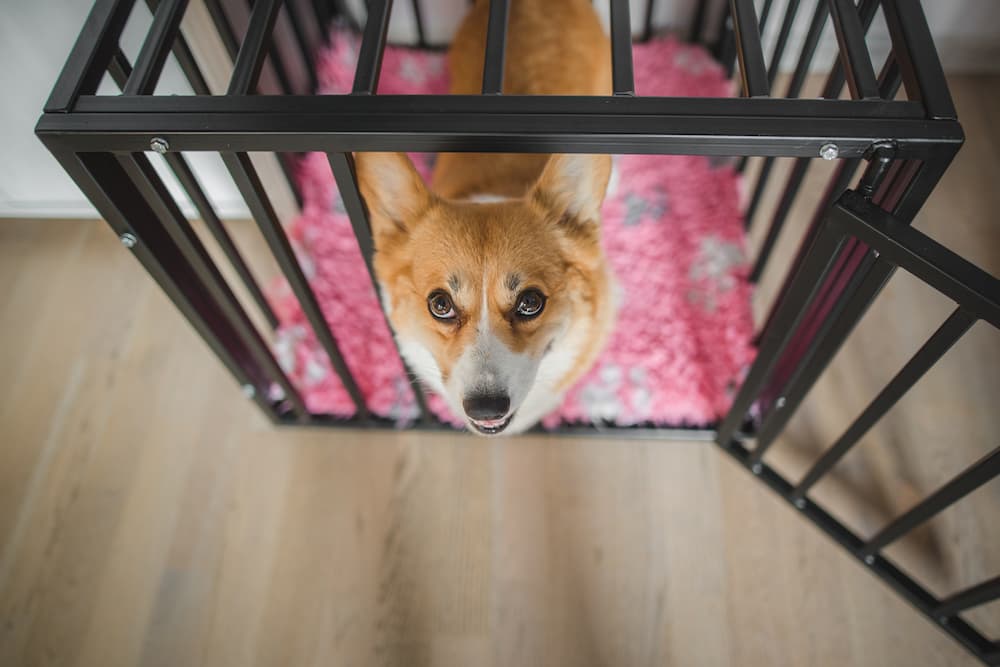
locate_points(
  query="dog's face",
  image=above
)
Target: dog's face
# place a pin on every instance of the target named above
(480, 293)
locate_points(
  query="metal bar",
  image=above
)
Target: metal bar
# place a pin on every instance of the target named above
(803, 286)
(840, 181)
(418, 18)
(765, 12)
(835, 81)
(930, 173)
(698, 20)
(748, 48)
(144, 178)
(250, 187)
(839, 287)
(342, 9)
(278, 62)
(908, 589)
(908, 184)
(185, 176)
(188, 181)
(853, 258)
(854, 57)
(840, 317)
(979, 473)
(102, 180)
(761, 184)
(596, 125)
(621, 49)
(816, 25)
(890, 78)
(91, 55)
(791, 11)
(372, 47)
(724, 113)
(228, 36)
(794, 88)
(961, 281)
(647, 20)
(286, 162)
(342, 166)
(223, 27)
(311, 24)
(496, 43)
(974, 596)
(225, 32)
(250, 58)
(188, 64)
(914, 48)
(929, 354)
(795, 178)
(323, 16)
(846, 294)
(156, 47)
(302, 39)
(725, 49)
(119, 68)
(836, 186)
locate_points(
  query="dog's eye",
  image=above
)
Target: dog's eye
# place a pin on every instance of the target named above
(529, 304)
(440, 305)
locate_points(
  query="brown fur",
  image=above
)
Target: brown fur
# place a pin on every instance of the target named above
(554, 47)
(548, 238)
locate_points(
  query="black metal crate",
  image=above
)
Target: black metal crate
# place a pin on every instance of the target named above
(852, 245)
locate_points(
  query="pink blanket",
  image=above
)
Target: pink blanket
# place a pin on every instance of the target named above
(673, 234)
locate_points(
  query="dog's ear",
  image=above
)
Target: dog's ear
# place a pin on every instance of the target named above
(393, 191)
(573, 186)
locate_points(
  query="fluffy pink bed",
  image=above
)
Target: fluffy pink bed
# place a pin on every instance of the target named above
(672, 230)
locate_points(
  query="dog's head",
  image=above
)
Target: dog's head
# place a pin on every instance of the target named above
(479, 293)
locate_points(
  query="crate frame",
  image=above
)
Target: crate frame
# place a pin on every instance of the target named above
(859, 234)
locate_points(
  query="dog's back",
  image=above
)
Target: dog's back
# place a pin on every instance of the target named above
(554, 47)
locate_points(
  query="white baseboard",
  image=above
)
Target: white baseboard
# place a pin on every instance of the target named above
(81, 209)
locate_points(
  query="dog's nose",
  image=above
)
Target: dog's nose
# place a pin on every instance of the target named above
(486, 407)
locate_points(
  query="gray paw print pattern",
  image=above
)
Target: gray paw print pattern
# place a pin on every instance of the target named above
(604, 398)
(284, 347)
(712, 271)
(600, 396)
(637, 208)
(403, 408)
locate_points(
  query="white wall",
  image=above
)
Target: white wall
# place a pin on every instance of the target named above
(36, 36)
(35, 39)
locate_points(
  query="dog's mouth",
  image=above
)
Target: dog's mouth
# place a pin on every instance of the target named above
(491, 426)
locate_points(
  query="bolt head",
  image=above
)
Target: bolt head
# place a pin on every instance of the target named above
(159, 145)
(876, 253)
(869, 559)
(780, 403)
(249, 390)
(800, 503)
(829, 151)
(756, 468)
(128, 239)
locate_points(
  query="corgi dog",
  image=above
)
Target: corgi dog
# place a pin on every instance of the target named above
(493, 278)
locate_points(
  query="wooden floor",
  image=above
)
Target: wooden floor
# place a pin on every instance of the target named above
(149, 515)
